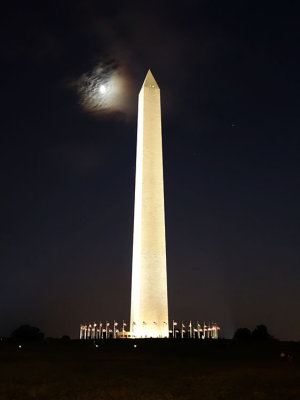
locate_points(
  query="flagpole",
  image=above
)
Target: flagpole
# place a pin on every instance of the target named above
(173, 328)
(94, 330)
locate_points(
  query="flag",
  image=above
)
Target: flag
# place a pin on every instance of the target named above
(116, 324)
(124, 323)
(175, 323)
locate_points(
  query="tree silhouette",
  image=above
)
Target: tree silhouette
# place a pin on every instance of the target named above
(242, 334)
(28, 333)
(261, 333)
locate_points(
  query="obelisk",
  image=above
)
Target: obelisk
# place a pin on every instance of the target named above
(149, 300)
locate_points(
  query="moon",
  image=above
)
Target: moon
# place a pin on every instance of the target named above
(102, 89)
(106, 88)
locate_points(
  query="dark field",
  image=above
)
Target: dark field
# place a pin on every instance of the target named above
(154, 369)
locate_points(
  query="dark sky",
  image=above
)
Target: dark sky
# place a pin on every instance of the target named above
(229, 78)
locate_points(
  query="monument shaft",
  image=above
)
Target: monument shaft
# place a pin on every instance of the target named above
(149, 302)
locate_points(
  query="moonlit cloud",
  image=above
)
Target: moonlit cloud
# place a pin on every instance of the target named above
(105, 89)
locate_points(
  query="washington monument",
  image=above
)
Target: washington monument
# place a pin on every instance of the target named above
(149, 298)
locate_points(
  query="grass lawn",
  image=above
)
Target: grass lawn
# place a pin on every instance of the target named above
(154, 369)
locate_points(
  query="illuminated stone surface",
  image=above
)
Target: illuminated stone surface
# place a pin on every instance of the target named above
(149, 302)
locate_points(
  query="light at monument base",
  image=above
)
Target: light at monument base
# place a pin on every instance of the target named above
(149, 331)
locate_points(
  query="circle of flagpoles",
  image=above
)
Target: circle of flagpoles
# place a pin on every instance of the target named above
(180, 330)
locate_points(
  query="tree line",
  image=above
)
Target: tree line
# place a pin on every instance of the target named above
(31, 333)
(259, 333)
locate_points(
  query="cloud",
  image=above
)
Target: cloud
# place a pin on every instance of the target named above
(141, 37)
(105, 89)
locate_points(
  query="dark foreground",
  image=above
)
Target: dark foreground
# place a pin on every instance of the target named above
(153, 370)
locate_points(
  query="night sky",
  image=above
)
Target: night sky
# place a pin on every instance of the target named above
(230, 89)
